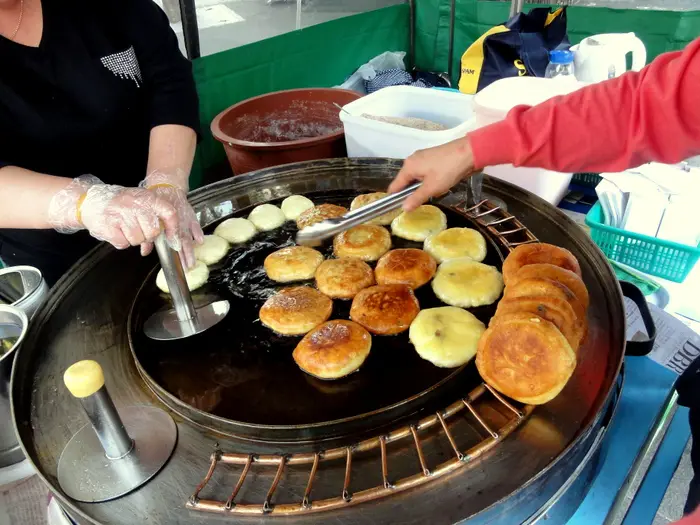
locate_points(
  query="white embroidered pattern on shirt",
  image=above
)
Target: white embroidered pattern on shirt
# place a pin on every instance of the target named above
(124, 65)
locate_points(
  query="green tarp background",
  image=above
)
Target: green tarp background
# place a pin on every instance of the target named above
(325, 55)
(320, 56)
(660, 31)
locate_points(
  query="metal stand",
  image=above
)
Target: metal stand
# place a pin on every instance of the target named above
(112, 455)
(184, 320)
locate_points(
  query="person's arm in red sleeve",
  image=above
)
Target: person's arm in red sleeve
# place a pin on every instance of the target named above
(652, 115)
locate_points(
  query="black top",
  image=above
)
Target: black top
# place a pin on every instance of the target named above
(84, 102)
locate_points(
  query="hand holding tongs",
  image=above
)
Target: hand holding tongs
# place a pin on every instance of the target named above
(314, 234)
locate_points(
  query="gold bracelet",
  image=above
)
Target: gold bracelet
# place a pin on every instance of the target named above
(78, 211)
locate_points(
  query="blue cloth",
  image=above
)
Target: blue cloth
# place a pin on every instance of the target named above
(646, 386)
(393, 77)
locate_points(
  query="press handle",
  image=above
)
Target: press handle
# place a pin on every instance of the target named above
(175, 278)
(85, 381)
(640, 348)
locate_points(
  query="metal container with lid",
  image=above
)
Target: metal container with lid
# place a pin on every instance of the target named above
(22, 290)
(475, 457)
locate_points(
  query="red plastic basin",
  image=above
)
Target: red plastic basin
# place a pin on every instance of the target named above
(283, 127)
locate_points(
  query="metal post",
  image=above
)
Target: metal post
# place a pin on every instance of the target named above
(175, 277)
(411, 63)
(649, 450)
(516, 6)
(450, 52)
(108, 426)
(190, 29)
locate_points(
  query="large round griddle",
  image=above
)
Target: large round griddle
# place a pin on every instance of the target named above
(86, 315)
(239, 377)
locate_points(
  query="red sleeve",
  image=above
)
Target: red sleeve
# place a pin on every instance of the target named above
(652, 115)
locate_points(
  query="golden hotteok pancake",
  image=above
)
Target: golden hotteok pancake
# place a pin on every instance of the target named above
(557, 311)
(466, 283)
(343, 278)
(296, 310)
(369, 198)
(408, 266)
(539, 253)
(366, 242)
(528, 360)
(446, 336)
(319, 213)
(453, 243)
(294, 263)
(554, 273)
(537, 287)
(385, 310)
(333, 350)
(419, 224)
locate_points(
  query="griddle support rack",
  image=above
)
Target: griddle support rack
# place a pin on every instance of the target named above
(439, 421)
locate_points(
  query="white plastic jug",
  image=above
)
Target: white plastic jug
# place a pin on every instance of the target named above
(601, 57)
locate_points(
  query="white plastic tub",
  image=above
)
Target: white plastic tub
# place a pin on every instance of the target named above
(370, 138)
(493, 103)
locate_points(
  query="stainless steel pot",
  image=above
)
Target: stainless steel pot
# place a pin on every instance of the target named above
(22, 290)
(23, 287)
(13, 324)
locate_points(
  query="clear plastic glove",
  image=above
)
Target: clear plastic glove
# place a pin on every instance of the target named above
(127, 216)
(121, 216)
(63, 211)
(189, 231)
(439, 169)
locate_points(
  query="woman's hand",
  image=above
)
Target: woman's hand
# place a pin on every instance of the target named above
(171, 186)
(127, 217)
(438, 168)
(188, 232)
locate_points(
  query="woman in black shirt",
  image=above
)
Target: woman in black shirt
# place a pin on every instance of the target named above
(98, 120)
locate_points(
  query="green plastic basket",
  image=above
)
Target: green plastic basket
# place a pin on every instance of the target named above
(586, 179)
(665, 259)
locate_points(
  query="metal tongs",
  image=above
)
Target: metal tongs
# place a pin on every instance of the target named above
(314, 234)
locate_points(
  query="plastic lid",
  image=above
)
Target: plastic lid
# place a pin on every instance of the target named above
(561, 56)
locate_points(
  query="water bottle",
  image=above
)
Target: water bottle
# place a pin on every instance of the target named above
(561, 64)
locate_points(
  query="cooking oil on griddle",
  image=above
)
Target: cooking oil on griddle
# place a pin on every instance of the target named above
(242, 371)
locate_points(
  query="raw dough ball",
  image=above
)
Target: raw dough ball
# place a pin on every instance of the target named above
(196, 278)
(267, 217)
(236, 231)
(295, 205)
(212, 250)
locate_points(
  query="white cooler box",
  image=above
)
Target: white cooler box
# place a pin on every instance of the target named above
(370, 138)
(493, 104)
